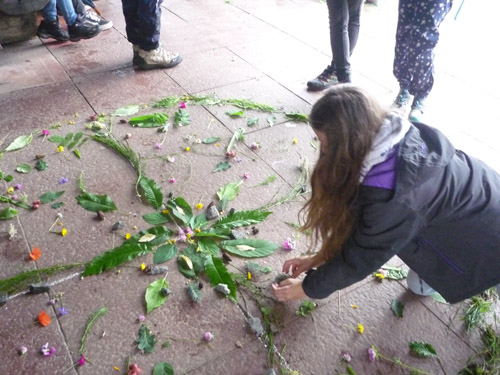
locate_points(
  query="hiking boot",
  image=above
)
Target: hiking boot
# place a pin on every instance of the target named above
(103, 23)
(157, 59)
(326, 79)
(52, 30)
(82, 29)
(417, 110)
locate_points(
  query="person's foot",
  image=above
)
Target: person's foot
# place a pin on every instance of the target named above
(402, 102)
(156, 59)
(103, 23)
(417, 110)
(326, 79)
(82, 29)
(136, 60)
(52, 30)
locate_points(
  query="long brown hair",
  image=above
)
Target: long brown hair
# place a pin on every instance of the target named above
(350, 119)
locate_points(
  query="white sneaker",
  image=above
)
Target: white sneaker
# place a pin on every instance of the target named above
(157, 58)
(417, 285)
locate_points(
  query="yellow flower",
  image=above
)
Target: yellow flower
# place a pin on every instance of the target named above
(217, 144)
(60, 149)
(164, 212)
(116, 368)
(361, 329)
(10, 190)
(76, 114)
(143, 266)
(354, 306)
(295, 141)
(174, 240)
(71, 122)
(380, 276)
(249, 276)
(199, 206)
(188, 235)
(188, 148)
(127, 236)
(191, 242)
(197, 230)
(64, 232)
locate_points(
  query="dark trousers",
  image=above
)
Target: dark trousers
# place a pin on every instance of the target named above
(143, 22)
(417, 35)
(344, 30)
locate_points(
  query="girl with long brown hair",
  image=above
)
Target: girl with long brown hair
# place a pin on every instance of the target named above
(382, 187)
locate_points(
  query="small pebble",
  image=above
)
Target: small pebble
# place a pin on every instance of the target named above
(155, 270)
(100, 215)
(223, 288)
(255, 325)
(128, 136)
(212, 212)
(39, 288)
(3, 299)
(236, 235)
(39, 156)
(118, 225)
(165, 292)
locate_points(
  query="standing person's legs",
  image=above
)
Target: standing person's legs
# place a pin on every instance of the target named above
(355, 7)
(131, 20)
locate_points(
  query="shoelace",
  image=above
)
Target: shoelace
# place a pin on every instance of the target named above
(326, 75)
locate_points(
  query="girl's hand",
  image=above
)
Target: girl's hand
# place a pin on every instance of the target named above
(289, 290)
(298, 265)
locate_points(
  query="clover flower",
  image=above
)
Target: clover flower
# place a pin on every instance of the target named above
(207, 336)
(171, 180)
(158, 146)
(181, 235)
(134, 369)
(372, 355)
(346, 357)
(62, 310)
(18, 186)
(46, 351)
(63, 180)
(81, 361)
(289, 245)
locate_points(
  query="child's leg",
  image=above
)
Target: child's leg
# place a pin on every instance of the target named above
(417, 285)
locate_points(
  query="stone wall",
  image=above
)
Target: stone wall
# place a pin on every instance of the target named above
(17, 28)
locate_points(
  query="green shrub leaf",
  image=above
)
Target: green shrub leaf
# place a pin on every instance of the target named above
(209, 246)
(211, 140)
(8, 213)
(94, 203)
(163, 368)
(152, 192)
(249, 248)
(161, 233)
(50, 196)
(241, 219)
(20, 142)
(422, 349)
(397, 307)
(149, 121)
(156, 218)
(41, 165)
(127, 110)
(217, 274)
(228, 192)
(23, 168)
(181, 210)
(146, 340)
(154, 297)
(197, 260)
(222, 166)
(165, 253)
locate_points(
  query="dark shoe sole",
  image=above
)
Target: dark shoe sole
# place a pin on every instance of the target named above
(141, 64)
(313, 87)
(78, 38)
(50, 36)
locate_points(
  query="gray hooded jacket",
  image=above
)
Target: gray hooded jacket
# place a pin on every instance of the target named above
(442, 219)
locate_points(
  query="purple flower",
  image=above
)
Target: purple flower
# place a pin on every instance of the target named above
(52, 301)
(158, 146)
(188, 231)
(246, 176)
(46, 351)
(22, 350)
(344, 356)
(62, 310)
(372, 355)
(141, 318)
(181, 236)
(208, 336)
(172, 180)
(289, 245)
(63, 180)
(18, 186)
(81, 361)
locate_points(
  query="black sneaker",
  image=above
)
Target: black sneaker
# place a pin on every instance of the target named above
(82, 29)
(103, 23)
(324, 80)
(52, 30)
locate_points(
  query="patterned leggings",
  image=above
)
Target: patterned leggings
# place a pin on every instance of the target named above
(416, 38)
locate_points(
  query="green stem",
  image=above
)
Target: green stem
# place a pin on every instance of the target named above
(96, 315)
(5, 199)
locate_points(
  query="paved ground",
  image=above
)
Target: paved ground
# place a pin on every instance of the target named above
(260, 50)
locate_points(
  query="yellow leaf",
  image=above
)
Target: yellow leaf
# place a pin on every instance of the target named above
(354, 306)
(188, 261)
(245, 247)
(148, 237)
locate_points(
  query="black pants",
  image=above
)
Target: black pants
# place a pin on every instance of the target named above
(344, 30)
(417, 35)
(143, 22)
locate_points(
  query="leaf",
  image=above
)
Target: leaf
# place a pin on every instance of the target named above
(235, 114)
(238, 135)
(222, 166)
(23, 168)
(8, 213)
(148, 237)
(163, 368)
(156, 218)
(168, 102)
(395, 273)
(76, 139)
(209, 246)
(187, 262)
(296, 116)
(41, 165)
(57, 205)
(20, 142)
(249, 248)
(422, 349)
(252, 121)
(149, 121)
(165, 253)
(146, 340)
(181, 210)
(152, 192)
(194, 292)
(241, 219)
(306, 308)
(228, 193)
(271, 120)
(162, 234)
(198, 221)
(182, 117)
(8, 178)
(197, 260)
(56, 139)
(50, 196)
(94, 203)
(154, 297)
(114, 257)
(268, 180)
(397, 308)
(127, 110)
(255, 268)
(66, 139)
(439, 298)
(211, 140)
(217, 274)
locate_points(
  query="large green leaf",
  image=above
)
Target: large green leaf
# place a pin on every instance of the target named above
(50, 196)
(23, 168)
(154, 297)
(165, 253)
(198, 221)
(197, 259)
(395, 273)
(94, 203)
(222, 233)
(127, 110)
(114, 257)
(156, 218)
(422, 349)
(161, 233)
(56, 139)
(149, 121)
(152, 192)
(20, 142)
(163, 368)
(208, 245)
(228, 193)
(241, 219)
(249, 248)
(8, 213)
(217, 274)
(146, 340)
(181, 210)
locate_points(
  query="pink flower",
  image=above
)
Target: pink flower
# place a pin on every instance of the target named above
(254, 146)
(45, 132)
(141, 318)
(18, 186)
(372, 355)
(134, 369)
(172, 180)
(188, 231)
(158, 146)
(81, 361)
(246, 176)
(207, 336)
(344, 356)
(182, 105)
(181, 236)
(46, 351)
(289, 245)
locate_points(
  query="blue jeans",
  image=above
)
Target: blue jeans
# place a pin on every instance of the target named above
(66, 8)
